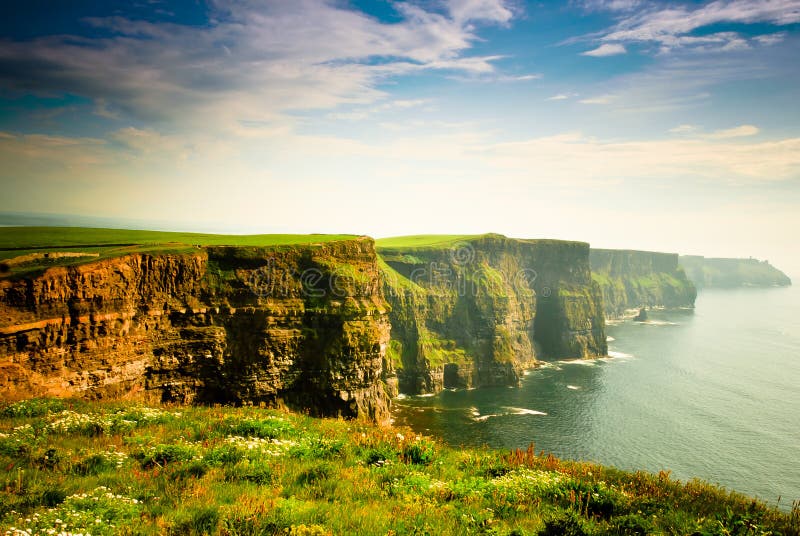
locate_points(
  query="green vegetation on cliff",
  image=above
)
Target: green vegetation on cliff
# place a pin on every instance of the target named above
(107, 469)
(634, 279)
(303, 325)
(476, 310)
(424, 241)
(25, 250)
(729, 273)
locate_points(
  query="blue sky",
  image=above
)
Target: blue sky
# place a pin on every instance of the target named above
(626, 123)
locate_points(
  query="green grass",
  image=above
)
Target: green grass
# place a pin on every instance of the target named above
(106, 243)
(423, 241)
(123, 468)
(52, 237)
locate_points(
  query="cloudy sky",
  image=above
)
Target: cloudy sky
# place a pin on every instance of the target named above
(626, 123)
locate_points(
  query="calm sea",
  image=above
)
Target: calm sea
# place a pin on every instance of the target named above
(712, 393)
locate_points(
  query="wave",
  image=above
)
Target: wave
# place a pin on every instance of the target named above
(619, 355)
(610, 339)
(584, 362)
(511, 411)
(573, 387)
(523, 411)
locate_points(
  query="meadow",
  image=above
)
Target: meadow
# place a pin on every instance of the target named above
(90, 468)
(21, 248)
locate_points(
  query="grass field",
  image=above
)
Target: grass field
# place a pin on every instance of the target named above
(16, 242)
(58, 237)
(411, 242)
(72, 467)
(423, 241)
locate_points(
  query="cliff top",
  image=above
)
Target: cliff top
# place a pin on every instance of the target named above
(444, 241)
(26, 249)
(732, 272)
(637, 251)
(17, 238)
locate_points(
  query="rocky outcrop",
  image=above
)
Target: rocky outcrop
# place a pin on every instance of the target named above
(305, 326)
(631, 280)
(730, 273)
(478, 311)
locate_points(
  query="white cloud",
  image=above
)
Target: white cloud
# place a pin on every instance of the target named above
(602, 99)
(560, 96)
(718, 160)
(253, 62)
(610, 5)
(735, 132)
(670, 27)
(684, 129)
(770, 39)
(606, 49)
(496, 11)
(359, 114)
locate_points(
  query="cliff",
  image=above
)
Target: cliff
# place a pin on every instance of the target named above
(729, 273)
(633, 279)
(477, 310)
(301, 325)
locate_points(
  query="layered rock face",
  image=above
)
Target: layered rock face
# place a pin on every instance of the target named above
(478, 312)
(305, 326)
(635, 279)
(731, 273)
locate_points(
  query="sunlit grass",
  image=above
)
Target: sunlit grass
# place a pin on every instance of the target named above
(90, 468)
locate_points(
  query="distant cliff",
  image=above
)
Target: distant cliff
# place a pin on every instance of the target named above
(477, 310)
(301, 325)
(729, 273)
(632, 279)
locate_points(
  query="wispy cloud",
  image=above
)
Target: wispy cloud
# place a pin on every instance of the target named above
(610, 5)
(601, 99)
(684, 129)
(496, 11)
(735, 132)
(606, 49)
(672, 27)
(562, 96)
(770, 39)
(252, 62)
(359, 114)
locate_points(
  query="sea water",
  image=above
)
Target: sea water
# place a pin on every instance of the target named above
(712, 393)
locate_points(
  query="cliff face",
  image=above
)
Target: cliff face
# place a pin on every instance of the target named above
(478, 312)
(730, 273)
(633, 279)
(304, 326)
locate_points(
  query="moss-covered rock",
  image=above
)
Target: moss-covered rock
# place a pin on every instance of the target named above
(631, 280)
(476, 311)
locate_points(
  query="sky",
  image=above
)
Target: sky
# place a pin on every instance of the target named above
(670, 126)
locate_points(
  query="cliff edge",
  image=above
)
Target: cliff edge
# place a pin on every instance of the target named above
(471, 311)
(632, 279)
(731, 273)
(300, 325)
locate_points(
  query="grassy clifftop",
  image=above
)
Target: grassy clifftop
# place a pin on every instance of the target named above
(24, 250)
(42, 237)
(632, 279)
(729, 273)
(77, 467)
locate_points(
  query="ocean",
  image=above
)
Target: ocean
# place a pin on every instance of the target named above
(711, 393)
